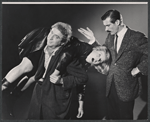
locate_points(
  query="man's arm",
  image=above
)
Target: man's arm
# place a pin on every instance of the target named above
(142, 67)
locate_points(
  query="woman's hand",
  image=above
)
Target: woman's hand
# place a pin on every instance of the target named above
(88, 34)
(80, 110)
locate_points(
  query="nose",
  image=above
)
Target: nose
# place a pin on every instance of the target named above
(92, 59)
(106, 29)
(50, 37)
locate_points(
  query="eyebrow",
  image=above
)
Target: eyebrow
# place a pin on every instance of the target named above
(54, 33)
(57, 35)
(107, 25)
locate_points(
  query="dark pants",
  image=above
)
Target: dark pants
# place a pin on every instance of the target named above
(117, 109)
(39, 111)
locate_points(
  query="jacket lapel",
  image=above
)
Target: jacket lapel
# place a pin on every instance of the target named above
(41, 69)
(124, 44)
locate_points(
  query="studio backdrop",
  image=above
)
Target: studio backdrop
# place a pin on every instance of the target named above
(20, 19)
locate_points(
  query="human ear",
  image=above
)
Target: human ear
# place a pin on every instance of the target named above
(117, 22)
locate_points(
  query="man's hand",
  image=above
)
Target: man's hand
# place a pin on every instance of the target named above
(135, 71)
(88, 34)
(56, 79)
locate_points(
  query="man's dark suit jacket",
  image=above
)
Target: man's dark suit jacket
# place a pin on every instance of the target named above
(53, 100)
(132, 53)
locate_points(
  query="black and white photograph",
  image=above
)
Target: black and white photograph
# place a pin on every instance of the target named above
(74, 61)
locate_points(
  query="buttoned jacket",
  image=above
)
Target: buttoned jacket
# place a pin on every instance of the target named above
(133, 53)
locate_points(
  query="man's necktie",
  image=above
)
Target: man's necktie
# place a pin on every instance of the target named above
(116, 45)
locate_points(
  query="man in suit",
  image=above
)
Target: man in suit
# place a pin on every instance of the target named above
(51, 98)
(129, 52)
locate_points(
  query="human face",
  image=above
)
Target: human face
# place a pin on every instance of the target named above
(54, 38)
(96, 57)
(110, 27)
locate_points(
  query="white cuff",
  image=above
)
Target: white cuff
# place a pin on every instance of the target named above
(91, 42)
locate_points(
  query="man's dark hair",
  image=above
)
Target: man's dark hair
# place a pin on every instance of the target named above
(113, 14)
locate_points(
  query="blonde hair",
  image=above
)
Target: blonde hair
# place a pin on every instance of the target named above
(103, 67)
(103, 48)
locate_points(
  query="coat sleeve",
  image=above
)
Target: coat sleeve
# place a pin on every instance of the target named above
(143, 49)
(76, 75)
(81, 92)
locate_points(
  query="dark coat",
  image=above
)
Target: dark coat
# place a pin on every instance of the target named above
(52, 100)
(132, 53)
